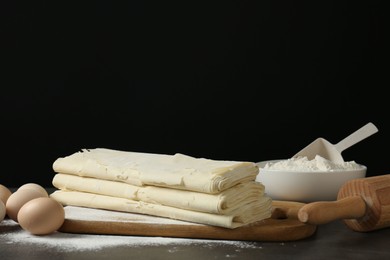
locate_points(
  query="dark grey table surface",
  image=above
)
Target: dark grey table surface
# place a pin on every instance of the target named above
(330, 241)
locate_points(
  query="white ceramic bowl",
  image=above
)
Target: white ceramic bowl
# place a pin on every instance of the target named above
(305, 186)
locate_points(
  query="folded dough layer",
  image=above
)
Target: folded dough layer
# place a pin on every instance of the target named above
(173, 171)
(226, 202)
(254, 213)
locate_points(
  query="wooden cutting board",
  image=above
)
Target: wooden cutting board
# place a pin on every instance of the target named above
(282, 226)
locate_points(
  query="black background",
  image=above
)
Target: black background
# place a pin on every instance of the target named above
(235, 80)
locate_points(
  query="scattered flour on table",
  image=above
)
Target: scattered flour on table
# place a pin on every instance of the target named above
(317, 164)
(12, 233)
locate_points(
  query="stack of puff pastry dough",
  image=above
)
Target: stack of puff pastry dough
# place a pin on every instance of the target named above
(199, 190)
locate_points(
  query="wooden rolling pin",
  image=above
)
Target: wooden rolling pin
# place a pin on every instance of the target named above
(363, 204)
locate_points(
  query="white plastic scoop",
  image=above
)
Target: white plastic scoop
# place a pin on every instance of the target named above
(332, 152)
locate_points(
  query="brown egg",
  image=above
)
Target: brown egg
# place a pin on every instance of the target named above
(18, 199)
(41, 216)
(4, 193)
(34, 186)
(2, 211)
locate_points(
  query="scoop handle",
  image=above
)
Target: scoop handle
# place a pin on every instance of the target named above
(356, 137)
(323, 212)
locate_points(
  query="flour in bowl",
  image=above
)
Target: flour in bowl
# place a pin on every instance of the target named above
(302, 163)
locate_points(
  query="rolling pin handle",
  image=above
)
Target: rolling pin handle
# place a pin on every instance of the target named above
(323, 212)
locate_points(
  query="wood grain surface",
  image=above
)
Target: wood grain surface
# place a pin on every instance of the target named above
(282, 226)
(363, 204)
